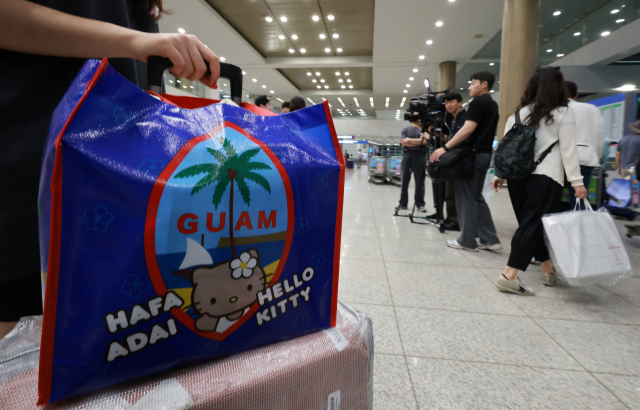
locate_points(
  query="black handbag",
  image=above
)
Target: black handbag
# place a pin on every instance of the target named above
(457, 164)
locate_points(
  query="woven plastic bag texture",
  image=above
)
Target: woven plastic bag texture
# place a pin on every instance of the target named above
(301, 373)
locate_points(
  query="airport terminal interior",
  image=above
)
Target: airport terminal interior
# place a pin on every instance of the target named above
(446, 334)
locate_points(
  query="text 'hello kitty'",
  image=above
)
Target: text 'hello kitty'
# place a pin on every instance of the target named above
(281, 289)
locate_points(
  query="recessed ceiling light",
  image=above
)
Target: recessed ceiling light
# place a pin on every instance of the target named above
(408, 85)
(184, 86)
(340, 99)
(322, 36)
(387, 100)
(272, 92)
(549, 50)
(429, 42)
(315, 18)
(452, 1)
(340, 80)
(225, 85)
(222, 59)
(346, 73)
(439, 24)
(280, 99)
(322, 80)
(318, 86)
(403, 100)
(557, 13)
(281, 37)
(318, 73)
(405, 91)
(171, 81)
(469, 82)
(335, 35)
(560, 55)
(619, 20)
(190, 86)
(492, 64)
(326, 86)
(327, 50)
(348, 80)
(178, 81)
(264, 86)
(605, 33)
(343, 86)
(330, 17)
(303, 50)
(421, 57)
(410, 78)
(309, 74)
(415, 70)
(356, 100)
(337, 72)
(244, 73)
(283, 19)
(314, 81)
(292, 50)
(577, 34)
(492, 91)
(350, 86)
(339, 50)
(309, 99)
(294, 37)
(254, 80)
(269, 19)
(181, 30)
(461, 88)
(626, 87)
(616, 11)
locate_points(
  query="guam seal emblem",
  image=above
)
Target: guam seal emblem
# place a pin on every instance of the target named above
(219, 228)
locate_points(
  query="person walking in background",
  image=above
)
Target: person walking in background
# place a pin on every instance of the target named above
(41, 52)
(628, 150)
(359, 158)
(589, 136)
(545, 106)
(263, 102)
(285, 107)
(296, 103)
(474, 216)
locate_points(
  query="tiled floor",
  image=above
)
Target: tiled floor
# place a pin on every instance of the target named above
(445, 338)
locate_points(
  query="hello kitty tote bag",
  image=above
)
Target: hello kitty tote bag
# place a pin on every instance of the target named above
(175, 230)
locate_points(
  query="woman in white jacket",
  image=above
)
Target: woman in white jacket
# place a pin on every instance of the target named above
(544, 105)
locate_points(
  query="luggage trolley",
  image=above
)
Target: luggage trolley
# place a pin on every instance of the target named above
(377, 170)
(394, 171)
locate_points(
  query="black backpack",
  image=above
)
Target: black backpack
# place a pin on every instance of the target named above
(515, 156)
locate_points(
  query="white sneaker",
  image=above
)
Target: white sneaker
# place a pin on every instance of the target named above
(494, 247)
(513, 286)
(453, 243)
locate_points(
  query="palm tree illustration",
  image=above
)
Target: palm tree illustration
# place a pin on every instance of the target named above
(230, 168)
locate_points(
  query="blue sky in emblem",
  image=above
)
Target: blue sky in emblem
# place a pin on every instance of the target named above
(177, 199)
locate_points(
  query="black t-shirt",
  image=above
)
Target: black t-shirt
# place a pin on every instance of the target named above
(456, 123)
(33, 87)
(484, 111)
(412, 132)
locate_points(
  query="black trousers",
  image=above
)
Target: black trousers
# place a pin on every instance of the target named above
(532, 198)
(413, 162)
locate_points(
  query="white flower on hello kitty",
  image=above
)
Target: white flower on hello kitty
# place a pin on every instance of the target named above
(243, 266)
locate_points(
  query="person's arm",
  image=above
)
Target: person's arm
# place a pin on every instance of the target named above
(618, 160)
(569, 148)
(464, 133)
(30, 28)
(415, 142)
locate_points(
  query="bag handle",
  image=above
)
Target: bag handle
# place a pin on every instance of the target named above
(156, 66)
(518, 117)
(587, 205)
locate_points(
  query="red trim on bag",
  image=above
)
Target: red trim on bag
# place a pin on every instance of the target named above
(152, 212)
(55, 237)
(198, 102)
(336, 250)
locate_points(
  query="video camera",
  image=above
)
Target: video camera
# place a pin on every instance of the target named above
(430, 109)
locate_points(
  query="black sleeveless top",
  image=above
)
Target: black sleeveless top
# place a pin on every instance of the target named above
(33, 85)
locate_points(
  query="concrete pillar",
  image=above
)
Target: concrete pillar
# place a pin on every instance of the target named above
(447, 78)
(519, 54)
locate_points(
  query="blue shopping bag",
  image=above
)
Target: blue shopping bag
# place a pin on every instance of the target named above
(179, 230)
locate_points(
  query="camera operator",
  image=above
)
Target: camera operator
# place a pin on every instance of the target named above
(480, 127)
(414, 159)
(455, 120)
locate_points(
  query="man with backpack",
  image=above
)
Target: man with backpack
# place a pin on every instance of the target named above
(477, 132)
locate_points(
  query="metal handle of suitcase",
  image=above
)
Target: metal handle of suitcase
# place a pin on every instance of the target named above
(156, 66)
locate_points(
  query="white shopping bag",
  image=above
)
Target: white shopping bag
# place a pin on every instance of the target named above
(585, 247)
